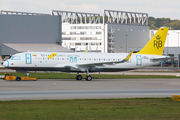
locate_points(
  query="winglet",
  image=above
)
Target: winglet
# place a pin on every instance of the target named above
(129, 56)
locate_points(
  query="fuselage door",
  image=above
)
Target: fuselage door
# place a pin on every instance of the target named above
(28, 58)
(138, 60)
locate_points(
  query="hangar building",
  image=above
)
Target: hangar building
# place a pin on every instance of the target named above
(115, 31)
(22, 32)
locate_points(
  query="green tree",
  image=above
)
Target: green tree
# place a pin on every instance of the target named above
(152, 22)
(153, 27)
(158, 22)
(164, 23)
(175, 25)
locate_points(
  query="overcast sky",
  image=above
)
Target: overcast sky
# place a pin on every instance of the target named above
(155, 8)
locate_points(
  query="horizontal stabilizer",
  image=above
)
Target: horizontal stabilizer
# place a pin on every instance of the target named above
(161, 59)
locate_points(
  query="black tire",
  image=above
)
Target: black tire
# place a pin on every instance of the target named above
(88, 78)
(78, 77)
(18, 79)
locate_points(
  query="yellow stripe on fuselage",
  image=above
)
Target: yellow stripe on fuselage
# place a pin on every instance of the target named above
(52, 55)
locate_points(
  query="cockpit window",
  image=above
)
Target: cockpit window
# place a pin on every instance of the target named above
(15, 58)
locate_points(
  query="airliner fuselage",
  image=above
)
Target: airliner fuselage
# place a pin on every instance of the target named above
(67, 62)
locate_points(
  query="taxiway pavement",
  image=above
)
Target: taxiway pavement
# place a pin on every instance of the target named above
(97, 88)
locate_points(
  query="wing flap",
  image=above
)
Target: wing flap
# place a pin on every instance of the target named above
(76, 68)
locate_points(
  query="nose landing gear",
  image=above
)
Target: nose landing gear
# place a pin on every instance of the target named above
(27, 74)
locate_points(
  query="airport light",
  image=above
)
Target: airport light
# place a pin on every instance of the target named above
(167, 43)
(178, 49)
(126, 38)
(126, 43)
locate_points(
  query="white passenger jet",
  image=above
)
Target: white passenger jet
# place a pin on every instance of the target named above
(151, 54)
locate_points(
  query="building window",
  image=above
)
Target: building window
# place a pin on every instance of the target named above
(72, 43)
(63, 33)
(82, 33)
(68, 38)
(98, 33)
(88, 38)
(72, 33)
(73, 27)
(85, 27)
(77, 43)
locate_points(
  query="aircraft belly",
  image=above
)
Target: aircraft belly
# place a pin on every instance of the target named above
(109, 69)
(39, 68)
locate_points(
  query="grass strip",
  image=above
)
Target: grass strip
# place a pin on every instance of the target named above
(91, 109)
(94, 76)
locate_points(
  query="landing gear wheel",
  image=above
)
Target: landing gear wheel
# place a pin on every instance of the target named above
(78, 77)
(88, 78)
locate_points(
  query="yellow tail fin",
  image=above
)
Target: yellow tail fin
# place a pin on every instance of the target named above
(156, 45)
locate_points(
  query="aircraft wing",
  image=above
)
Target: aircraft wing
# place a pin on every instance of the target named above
(84, 67)
(106, 63)
(161, 59)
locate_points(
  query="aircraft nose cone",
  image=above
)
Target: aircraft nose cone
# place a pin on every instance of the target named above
(5, 64)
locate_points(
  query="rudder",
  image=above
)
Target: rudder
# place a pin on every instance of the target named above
(156, 45)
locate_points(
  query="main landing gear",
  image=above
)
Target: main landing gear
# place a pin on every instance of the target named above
(78, 77)
(88, 77)
(27, 74)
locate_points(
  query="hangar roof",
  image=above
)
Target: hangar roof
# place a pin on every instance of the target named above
(20, 47)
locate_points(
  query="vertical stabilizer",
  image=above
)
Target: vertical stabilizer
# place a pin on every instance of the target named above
(155, 46)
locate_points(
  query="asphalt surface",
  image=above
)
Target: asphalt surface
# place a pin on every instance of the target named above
(97, 88)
